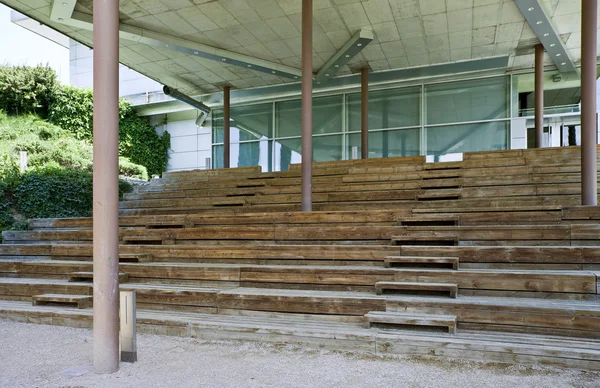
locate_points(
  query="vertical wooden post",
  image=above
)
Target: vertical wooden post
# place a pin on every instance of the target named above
(307, 75)
(589, 40)
(539, 95)
(226, 126)
(106, 186)
(364, 110)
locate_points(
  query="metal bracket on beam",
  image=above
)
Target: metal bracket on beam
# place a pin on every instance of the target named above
(354, 46)
(63, 11)
(539, 22)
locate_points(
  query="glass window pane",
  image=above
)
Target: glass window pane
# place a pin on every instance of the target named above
(467, 138)
(286, 152)
(217, 153)
(387, 144)
(473, 100)
(562, 93)
(254, 153)
(326, 148)
(393, 108)
(327, 116)
(249, 122)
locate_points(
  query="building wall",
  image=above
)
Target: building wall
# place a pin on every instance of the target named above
(191, 145)
(82, 73)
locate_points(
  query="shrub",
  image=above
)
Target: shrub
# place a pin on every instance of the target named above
(129, 169)
(73, 110)
(57, 193)
(25, 89)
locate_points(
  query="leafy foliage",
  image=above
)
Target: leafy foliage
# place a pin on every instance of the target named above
(25, 89)
(73, 110)
(57, 193)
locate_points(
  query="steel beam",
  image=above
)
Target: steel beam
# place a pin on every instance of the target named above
(226, 126)
(589, 40)
(364, 112)
(307, 152)
(539, 95)
(106, 186)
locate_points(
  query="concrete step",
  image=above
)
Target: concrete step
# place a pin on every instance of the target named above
(79, 301)
(417, 288)
(421, 262)
(89, 276)
(411, 320)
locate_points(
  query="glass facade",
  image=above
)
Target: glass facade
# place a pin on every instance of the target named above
(428, 119)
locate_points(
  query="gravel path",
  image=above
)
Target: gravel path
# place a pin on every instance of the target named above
(51, 356)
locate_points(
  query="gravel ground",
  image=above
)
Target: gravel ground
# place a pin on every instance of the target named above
(51, 356)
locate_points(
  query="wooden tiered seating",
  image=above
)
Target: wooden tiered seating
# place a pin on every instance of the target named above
(400, 256)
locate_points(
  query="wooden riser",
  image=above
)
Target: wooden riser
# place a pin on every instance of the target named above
(413, 321)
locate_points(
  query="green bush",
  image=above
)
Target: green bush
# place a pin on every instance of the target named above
(25, 89)
(57, 193)
(129, 169)
(73, 110)
(139, 142)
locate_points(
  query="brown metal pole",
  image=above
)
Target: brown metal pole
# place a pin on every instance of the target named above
(539, 95)
(589, 175)
(226, 127)
(307, 75)
(364, 105)
(106, 186)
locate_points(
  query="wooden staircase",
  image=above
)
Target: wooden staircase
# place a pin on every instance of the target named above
(398, 254)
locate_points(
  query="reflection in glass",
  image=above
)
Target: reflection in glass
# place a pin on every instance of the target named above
(387, 144)
(327, 116)
(254, 153)
(467, 138)
(391, 108)
(250, 122)
(472, 100)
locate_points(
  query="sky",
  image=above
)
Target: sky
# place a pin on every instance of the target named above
(19, 46)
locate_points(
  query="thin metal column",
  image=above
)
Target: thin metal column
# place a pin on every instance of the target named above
(364, 110)
(307, 75)
(226, 126)
(106, 186)
(539, 95)
(589, 27)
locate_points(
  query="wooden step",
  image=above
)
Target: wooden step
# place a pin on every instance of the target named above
(428, 220)
(135, 258)
(417, 288)
(88, 276)
(425, 240)
(387, 319)
(440, 194)
(421, 261)
(80, 301)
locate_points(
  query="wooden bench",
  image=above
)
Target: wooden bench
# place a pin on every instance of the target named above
(410, 320)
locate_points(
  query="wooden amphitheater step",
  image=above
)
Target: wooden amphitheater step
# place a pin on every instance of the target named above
(135, 258)
(421, 262)
(88, 276)
(429, 220)
(416, 288)
(425, 240)
(410, 320)
(440, 195)
(80, 301)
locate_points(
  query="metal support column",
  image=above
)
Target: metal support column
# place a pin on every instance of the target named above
(106, 186)
(364, 110)
(589, 27)
(226, 127)
(539, 95)
(307, 79)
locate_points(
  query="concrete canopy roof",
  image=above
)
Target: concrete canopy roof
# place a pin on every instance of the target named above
(406, 33)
